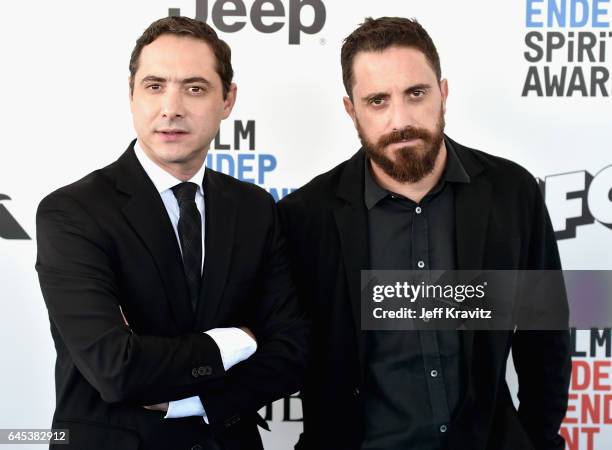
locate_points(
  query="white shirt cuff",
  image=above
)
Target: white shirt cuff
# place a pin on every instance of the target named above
(186, 407)
(234, 344)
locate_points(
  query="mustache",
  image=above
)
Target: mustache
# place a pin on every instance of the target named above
(403, 134)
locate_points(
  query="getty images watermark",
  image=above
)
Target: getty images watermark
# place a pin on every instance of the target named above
(485, 300)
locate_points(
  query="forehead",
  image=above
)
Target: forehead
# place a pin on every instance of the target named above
(170, 55)
(393, 66)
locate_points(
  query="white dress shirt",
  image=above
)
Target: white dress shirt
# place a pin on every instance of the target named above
(234, 344)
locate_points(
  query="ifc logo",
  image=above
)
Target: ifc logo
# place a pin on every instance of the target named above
(226, 16)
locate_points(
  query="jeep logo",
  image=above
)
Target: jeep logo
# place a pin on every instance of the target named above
(226, 15)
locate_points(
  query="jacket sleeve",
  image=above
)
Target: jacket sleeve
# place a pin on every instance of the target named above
(542, 358)
(282, 331)
(80, 289)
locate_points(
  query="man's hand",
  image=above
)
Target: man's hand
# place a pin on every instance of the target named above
(159, 407)
(249, 332)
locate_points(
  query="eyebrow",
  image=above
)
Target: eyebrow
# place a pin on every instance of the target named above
(196, 80)
(416, 87)
(190, 80)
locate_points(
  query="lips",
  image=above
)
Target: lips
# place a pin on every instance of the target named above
(170, 135)
(406, 136)
(170, 132)
(404, 141)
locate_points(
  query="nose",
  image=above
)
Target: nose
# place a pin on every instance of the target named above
(400, 115)
(172, 104)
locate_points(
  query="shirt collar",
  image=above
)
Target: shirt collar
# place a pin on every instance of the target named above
(373, 192)
(162, 179)
(454, 172)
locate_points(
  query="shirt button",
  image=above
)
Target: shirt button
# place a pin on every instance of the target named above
(434, 373)
(443, 428)
(421, 264)
(418, 210)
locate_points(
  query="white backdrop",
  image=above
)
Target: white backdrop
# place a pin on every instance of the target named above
(65, 113)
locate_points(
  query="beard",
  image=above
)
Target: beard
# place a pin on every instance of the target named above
(412, 163)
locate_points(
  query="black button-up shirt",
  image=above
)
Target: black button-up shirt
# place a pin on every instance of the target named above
(413, 382)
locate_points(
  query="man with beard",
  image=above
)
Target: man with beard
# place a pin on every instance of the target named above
(412, 198)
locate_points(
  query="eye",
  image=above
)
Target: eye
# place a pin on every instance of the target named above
(195, 89)
(418, 93)
(376, 101)
(153, 87)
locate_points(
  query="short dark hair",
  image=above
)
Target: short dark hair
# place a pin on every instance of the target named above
(382, 33)
(196, 29)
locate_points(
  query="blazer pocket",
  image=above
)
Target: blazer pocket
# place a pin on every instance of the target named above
(95, 435)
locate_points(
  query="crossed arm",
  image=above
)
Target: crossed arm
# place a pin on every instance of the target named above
(83, 297)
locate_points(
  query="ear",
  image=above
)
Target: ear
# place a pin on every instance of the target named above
(349, 108)
(230, 100)
(131, 96)
(444, 92)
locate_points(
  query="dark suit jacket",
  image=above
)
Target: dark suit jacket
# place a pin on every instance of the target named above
(107, 242)
(501, 223)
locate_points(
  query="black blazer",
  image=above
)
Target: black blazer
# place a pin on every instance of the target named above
(106, 246)
(501, 223)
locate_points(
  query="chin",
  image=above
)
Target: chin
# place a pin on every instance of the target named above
(176, 158)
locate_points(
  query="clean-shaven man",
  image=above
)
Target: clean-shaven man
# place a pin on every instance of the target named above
(167, 284)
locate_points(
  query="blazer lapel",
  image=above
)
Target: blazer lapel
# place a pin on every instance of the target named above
(352, 223)
(220, 225)
(145, 211)
(472, 208)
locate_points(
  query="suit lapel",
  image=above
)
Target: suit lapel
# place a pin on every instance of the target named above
(352, 223)
(145, 211)
(220, 226)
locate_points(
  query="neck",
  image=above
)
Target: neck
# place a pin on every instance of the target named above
(183, 171)
(417, 190)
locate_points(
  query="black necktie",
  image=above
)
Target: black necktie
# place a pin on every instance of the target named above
(190, 235)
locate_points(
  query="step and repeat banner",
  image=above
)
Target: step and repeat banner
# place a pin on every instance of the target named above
(529, 80)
